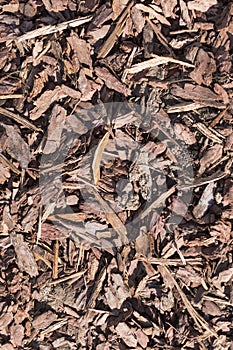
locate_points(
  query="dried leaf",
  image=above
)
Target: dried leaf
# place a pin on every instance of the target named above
(98, 157)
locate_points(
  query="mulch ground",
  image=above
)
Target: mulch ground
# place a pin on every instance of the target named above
(116, 174)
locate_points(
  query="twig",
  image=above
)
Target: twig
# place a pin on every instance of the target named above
(18, 119)
(50, 29)
(153, 62)
(198, 319)
(55, 261)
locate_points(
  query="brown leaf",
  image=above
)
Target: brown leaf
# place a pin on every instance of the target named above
(168, 8)
(98, 157)
(113, 219)
(138, 19)
(25, 258)
(211, 308)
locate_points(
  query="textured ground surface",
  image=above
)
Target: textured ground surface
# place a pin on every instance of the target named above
(116, 196)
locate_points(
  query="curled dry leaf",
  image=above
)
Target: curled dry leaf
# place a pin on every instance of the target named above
(98, 156)
(25, 258)
(126, 334)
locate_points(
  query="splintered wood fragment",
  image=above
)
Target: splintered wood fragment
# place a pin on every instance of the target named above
(98, 156)
(206, 180)
(97, 288)
(112, 218)
(18, 119)
(160, 36)
(174, 262)
(110, 42)
(55, 259)
(198, 319)
(209, 132)
(50, 29)
(156, 61)
(4, 97)
(219, 117)
(159, 201)
(74, 276)
(8, 164)
(185, 107)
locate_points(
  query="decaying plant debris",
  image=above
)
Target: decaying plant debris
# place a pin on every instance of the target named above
(81, 279)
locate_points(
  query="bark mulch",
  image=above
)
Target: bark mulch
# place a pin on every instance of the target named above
(116, 174)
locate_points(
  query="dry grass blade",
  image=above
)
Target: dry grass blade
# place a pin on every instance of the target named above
(158, 202)
(153, 62)
(174, 262)
(198, 319)
(98, 156)
(18, 119)
(112, 218)
(109, 43)
(50, 29)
